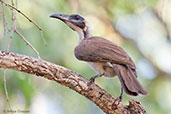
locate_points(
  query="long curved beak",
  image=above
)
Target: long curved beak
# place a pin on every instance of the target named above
(62, 17)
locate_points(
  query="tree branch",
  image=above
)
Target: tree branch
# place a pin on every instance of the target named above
(70, 79)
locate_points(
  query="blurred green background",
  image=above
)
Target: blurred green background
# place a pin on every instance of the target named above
(141, 27)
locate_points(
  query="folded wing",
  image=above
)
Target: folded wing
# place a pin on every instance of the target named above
(99, 49)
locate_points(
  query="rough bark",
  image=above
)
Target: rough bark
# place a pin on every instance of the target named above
(70, 79)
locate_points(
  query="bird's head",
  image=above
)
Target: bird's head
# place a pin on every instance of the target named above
(74, 21)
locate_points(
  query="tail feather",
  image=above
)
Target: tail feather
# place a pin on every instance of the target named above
(128, 79)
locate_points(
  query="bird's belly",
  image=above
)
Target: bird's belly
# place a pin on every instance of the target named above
(102, 68)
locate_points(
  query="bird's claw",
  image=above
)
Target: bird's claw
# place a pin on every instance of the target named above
(118, 100)
(91, 80)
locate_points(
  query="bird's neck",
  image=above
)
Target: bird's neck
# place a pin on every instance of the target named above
(83, 34)
(87, 32)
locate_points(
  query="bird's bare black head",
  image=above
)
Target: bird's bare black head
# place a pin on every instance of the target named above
(74, 21)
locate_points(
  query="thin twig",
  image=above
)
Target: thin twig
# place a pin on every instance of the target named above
(20, 29)
(7, 50)
(12, 7)
(10, 40)
(6, 92)
(4, 20)
(13, 13)
(12, 28)
(28, 43)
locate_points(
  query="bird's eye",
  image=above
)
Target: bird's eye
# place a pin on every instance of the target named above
(77, 17)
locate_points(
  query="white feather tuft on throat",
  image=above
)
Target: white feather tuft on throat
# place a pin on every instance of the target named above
(80, 31)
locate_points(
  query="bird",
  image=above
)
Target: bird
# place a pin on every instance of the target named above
(103, 56)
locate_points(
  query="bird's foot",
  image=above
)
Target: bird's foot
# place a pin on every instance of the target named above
(6, 52)
(92, 80)
(116, 103)
(118, 100)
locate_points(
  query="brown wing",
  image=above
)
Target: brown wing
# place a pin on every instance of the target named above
(99, 49)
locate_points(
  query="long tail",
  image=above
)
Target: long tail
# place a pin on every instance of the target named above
(128, 79)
